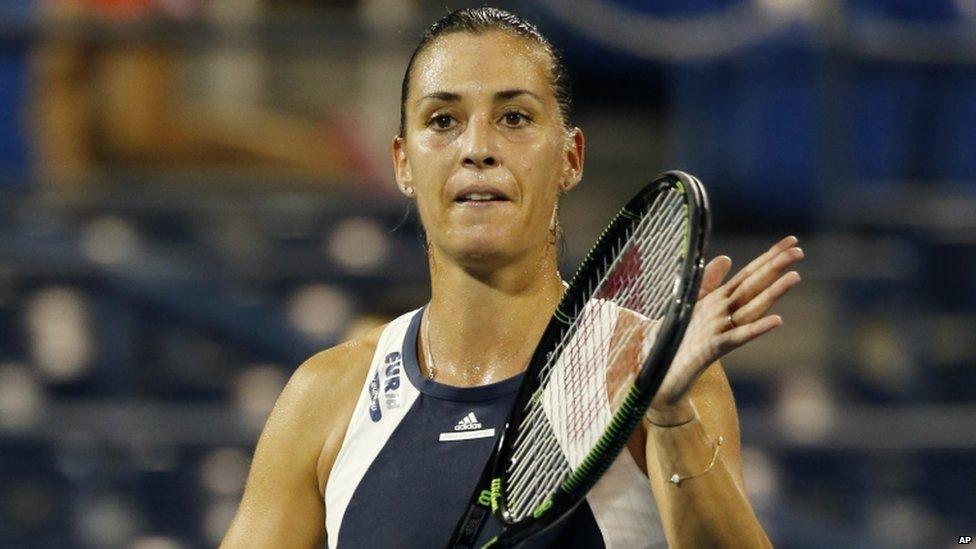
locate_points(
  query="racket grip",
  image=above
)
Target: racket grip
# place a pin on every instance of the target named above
(470, 526)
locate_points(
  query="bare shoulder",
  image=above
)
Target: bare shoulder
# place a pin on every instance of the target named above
(297, 447)
(330, 374)
(309, 419)
(330, 382)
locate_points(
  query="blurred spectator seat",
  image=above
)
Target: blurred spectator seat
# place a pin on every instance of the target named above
(14, 70)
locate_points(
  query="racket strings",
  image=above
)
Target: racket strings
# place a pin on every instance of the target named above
(549, 446)
(616, 252)
(554, 467)
(582, 416)
(589, 320)
(578, 411)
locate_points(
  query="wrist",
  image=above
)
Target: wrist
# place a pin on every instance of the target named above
(673, 415)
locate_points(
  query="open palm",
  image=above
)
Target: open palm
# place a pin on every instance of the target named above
(729, 315)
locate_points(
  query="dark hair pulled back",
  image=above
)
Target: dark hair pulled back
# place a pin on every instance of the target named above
(480, 20)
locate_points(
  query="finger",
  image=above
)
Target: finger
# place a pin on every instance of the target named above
(758, 306)
(715, 272)
(768, 273)
(741, 335)
(783, 244)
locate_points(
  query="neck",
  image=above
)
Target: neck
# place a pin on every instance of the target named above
(484, 326)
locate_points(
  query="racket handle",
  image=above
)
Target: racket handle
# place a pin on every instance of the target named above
(469, 527)
(479, 509)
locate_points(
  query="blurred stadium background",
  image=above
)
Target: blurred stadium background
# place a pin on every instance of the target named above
(196, 195)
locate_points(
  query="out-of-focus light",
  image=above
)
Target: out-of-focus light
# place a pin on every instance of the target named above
(359, 244)
(805, 409)
(217, 519)
(761, 476)
(109, 241)
(386, 14)
(884, 355)
(789, 8)
(966, 7)
(106, 521)
(156, 542)
(319, 311)
(901, 522)
(58, 321)
(21, 398)
(224, 471)
(256, 390)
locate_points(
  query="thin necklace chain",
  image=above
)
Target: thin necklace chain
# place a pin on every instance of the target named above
(428, 356)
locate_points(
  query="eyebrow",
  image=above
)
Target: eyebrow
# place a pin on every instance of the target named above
(443, 96)
(451, 97)
(511, 94)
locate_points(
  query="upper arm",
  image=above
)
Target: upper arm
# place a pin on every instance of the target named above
(283, 502)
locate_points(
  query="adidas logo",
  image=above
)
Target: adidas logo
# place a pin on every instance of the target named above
(467, 428)
(468, 423)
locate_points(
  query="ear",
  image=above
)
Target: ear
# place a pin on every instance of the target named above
(401, 168)
(573, 162)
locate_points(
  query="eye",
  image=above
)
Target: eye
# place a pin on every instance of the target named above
(441, 122)
(515, 119)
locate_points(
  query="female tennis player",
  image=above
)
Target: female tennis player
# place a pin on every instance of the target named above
(379, 442)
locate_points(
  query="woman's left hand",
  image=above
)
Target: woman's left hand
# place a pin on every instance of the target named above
(726, 317)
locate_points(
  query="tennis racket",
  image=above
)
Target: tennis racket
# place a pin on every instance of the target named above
(598, 365)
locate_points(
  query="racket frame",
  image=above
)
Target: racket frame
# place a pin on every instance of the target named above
(573, 489)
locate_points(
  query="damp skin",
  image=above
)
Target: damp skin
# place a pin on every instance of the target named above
(481, 117)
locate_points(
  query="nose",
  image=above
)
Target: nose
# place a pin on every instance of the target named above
(478, 148)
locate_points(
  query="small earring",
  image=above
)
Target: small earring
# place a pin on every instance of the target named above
(408, 191)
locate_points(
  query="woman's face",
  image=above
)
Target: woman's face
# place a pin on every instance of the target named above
(485, 150)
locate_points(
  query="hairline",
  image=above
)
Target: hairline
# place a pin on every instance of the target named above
(539, 42)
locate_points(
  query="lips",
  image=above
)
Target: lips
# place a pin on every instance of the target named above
(480, 193)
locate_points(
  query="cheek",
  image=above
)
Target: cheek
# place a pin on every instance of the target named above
(434, 141)
(431, 160)
(540, 168)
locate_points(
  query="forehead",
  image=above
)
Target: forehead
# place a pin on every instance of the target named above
(464, 62)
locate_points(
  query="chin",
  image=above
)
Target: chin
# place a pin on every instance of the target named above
(488, 246)
(484, 250)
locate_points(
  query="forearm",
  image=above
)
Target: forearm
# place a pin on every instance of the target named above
(708, 510)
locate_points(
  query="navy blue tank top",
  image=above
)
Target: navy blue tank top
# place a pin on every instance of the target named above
(415, 448)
